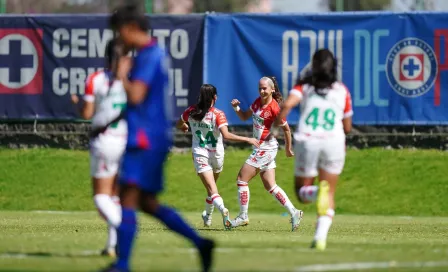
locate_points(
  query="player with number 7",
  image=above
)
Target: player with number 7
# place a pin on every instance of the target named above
(209, 126)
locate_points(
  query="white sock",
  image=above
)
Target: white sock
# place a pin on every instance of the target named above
(308, 194)
(209, 205)
(282, 198)
(116, 200)
(108, 209)
(323, 225)
(218, 202)
(111, 237)
(243, 196)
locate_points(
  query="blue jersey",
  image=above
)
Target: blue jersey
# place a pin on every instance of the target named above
(149, 123)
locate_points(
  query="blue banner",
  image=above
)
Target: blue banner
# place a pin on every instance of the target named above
(393, 64)
(45, 59)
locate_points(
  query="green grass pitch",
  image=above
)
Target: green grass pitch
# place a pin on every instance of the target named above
(391, 216)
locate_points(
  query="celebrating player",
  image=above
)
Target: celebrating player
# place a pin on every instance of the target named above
(103, 100)
(148, 115)
(210, 126)
(326, 116)
(264, 112)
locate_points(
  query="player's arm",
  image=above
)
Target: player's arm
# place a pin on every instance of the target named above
(87, 107)
(233, 137)
(135, 90)
(294, 98)
(348, 113)
(243, 115)
(181, 125)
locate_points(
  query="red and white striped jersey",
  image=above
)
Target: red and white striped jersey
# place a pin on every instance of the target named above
(321, 116)
(263, 119)
(109, 101)
(206, 134)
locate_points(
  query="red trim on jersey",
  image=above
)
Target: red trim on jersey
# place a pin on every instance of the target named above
(298, 88)
(90, 86)
(220, 117)
(269, 114)
(186, 114)
(348, 101)
(142, 140)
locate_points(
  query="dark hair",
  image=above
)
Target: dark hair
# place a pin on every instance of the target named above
(323, 72)
(277, 95)
(114, 50)
(128, 14)
(206, 96)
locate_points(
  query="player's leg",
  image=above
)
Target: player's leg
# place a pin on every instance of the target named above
(246, 173)
(201, 164)
(330, 167)
(270, 184)
(149, 203)
(306, 163)
(209, 179)
(103, 171)
(129, 197)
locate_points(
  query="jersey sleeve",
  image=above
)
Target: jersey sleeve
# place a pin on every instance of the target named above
(275, 113)
(348, 110)
(89, 91)
(297, 91)
(254, 107)
(221, 119)
(186, 114)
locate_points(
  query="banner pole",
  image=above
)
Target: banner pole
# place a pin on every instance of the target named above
(339, 5)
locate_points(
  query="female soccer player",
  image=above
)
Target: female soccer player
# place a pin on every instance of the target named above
(326, 116)
(103, 100)
(209, 126)
(149, 118)
(264, 112)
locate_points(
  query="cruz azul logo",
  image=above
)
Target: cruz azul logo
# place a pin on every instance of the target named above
(20, 61)
(411, 67)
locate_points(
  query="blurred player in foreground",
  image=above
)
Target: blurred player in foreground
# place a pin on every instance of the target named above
(264, 112)
(103, 101)
(209, 126)
(148, 115)
(326, 116)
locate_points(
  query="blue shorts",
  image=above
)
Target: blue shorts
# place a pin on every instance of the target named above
(144, 169)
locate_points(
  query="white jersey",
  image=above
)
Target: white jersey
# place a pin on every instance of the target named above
(109, 101)
(321, 116)
(206, 135)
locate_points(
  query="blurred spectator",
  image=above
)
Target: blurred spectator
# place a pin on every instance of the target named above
(260, 6)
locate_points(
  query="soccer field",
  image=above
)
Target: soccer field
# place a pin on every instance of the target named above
(42, 241)
(391, 216)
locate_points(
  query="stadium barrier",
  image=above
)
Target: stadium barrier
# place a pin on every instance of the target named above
(392, 63)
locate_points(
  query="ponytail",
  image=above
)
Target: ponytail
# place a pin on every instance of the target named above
(206, 97)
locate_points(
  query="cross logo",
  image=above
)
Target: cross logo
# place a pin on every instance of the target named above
(21, 61)
(412, 67)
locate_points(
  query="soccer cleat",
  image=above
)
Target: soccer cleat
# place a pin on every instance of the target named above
(207, 218)
(240, 220)
(109, 252)
(295, 219)
(206, 253)
(226, 219)
(323, 199)
(319, 245)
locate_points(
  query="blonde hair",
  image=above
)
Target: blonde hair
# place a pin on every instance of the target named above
(272, 82)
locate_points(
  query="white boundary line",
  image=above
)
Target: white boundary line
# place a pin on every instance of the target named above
(368, 266)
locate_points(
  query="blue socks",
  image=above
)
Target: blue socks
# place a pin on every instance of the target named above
(126, 234)
(174, 222)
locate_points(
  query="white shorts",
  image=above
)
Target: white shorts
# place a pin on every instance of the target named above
(263, 159)
(212, 162)
(105, 157)
(314, 154)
